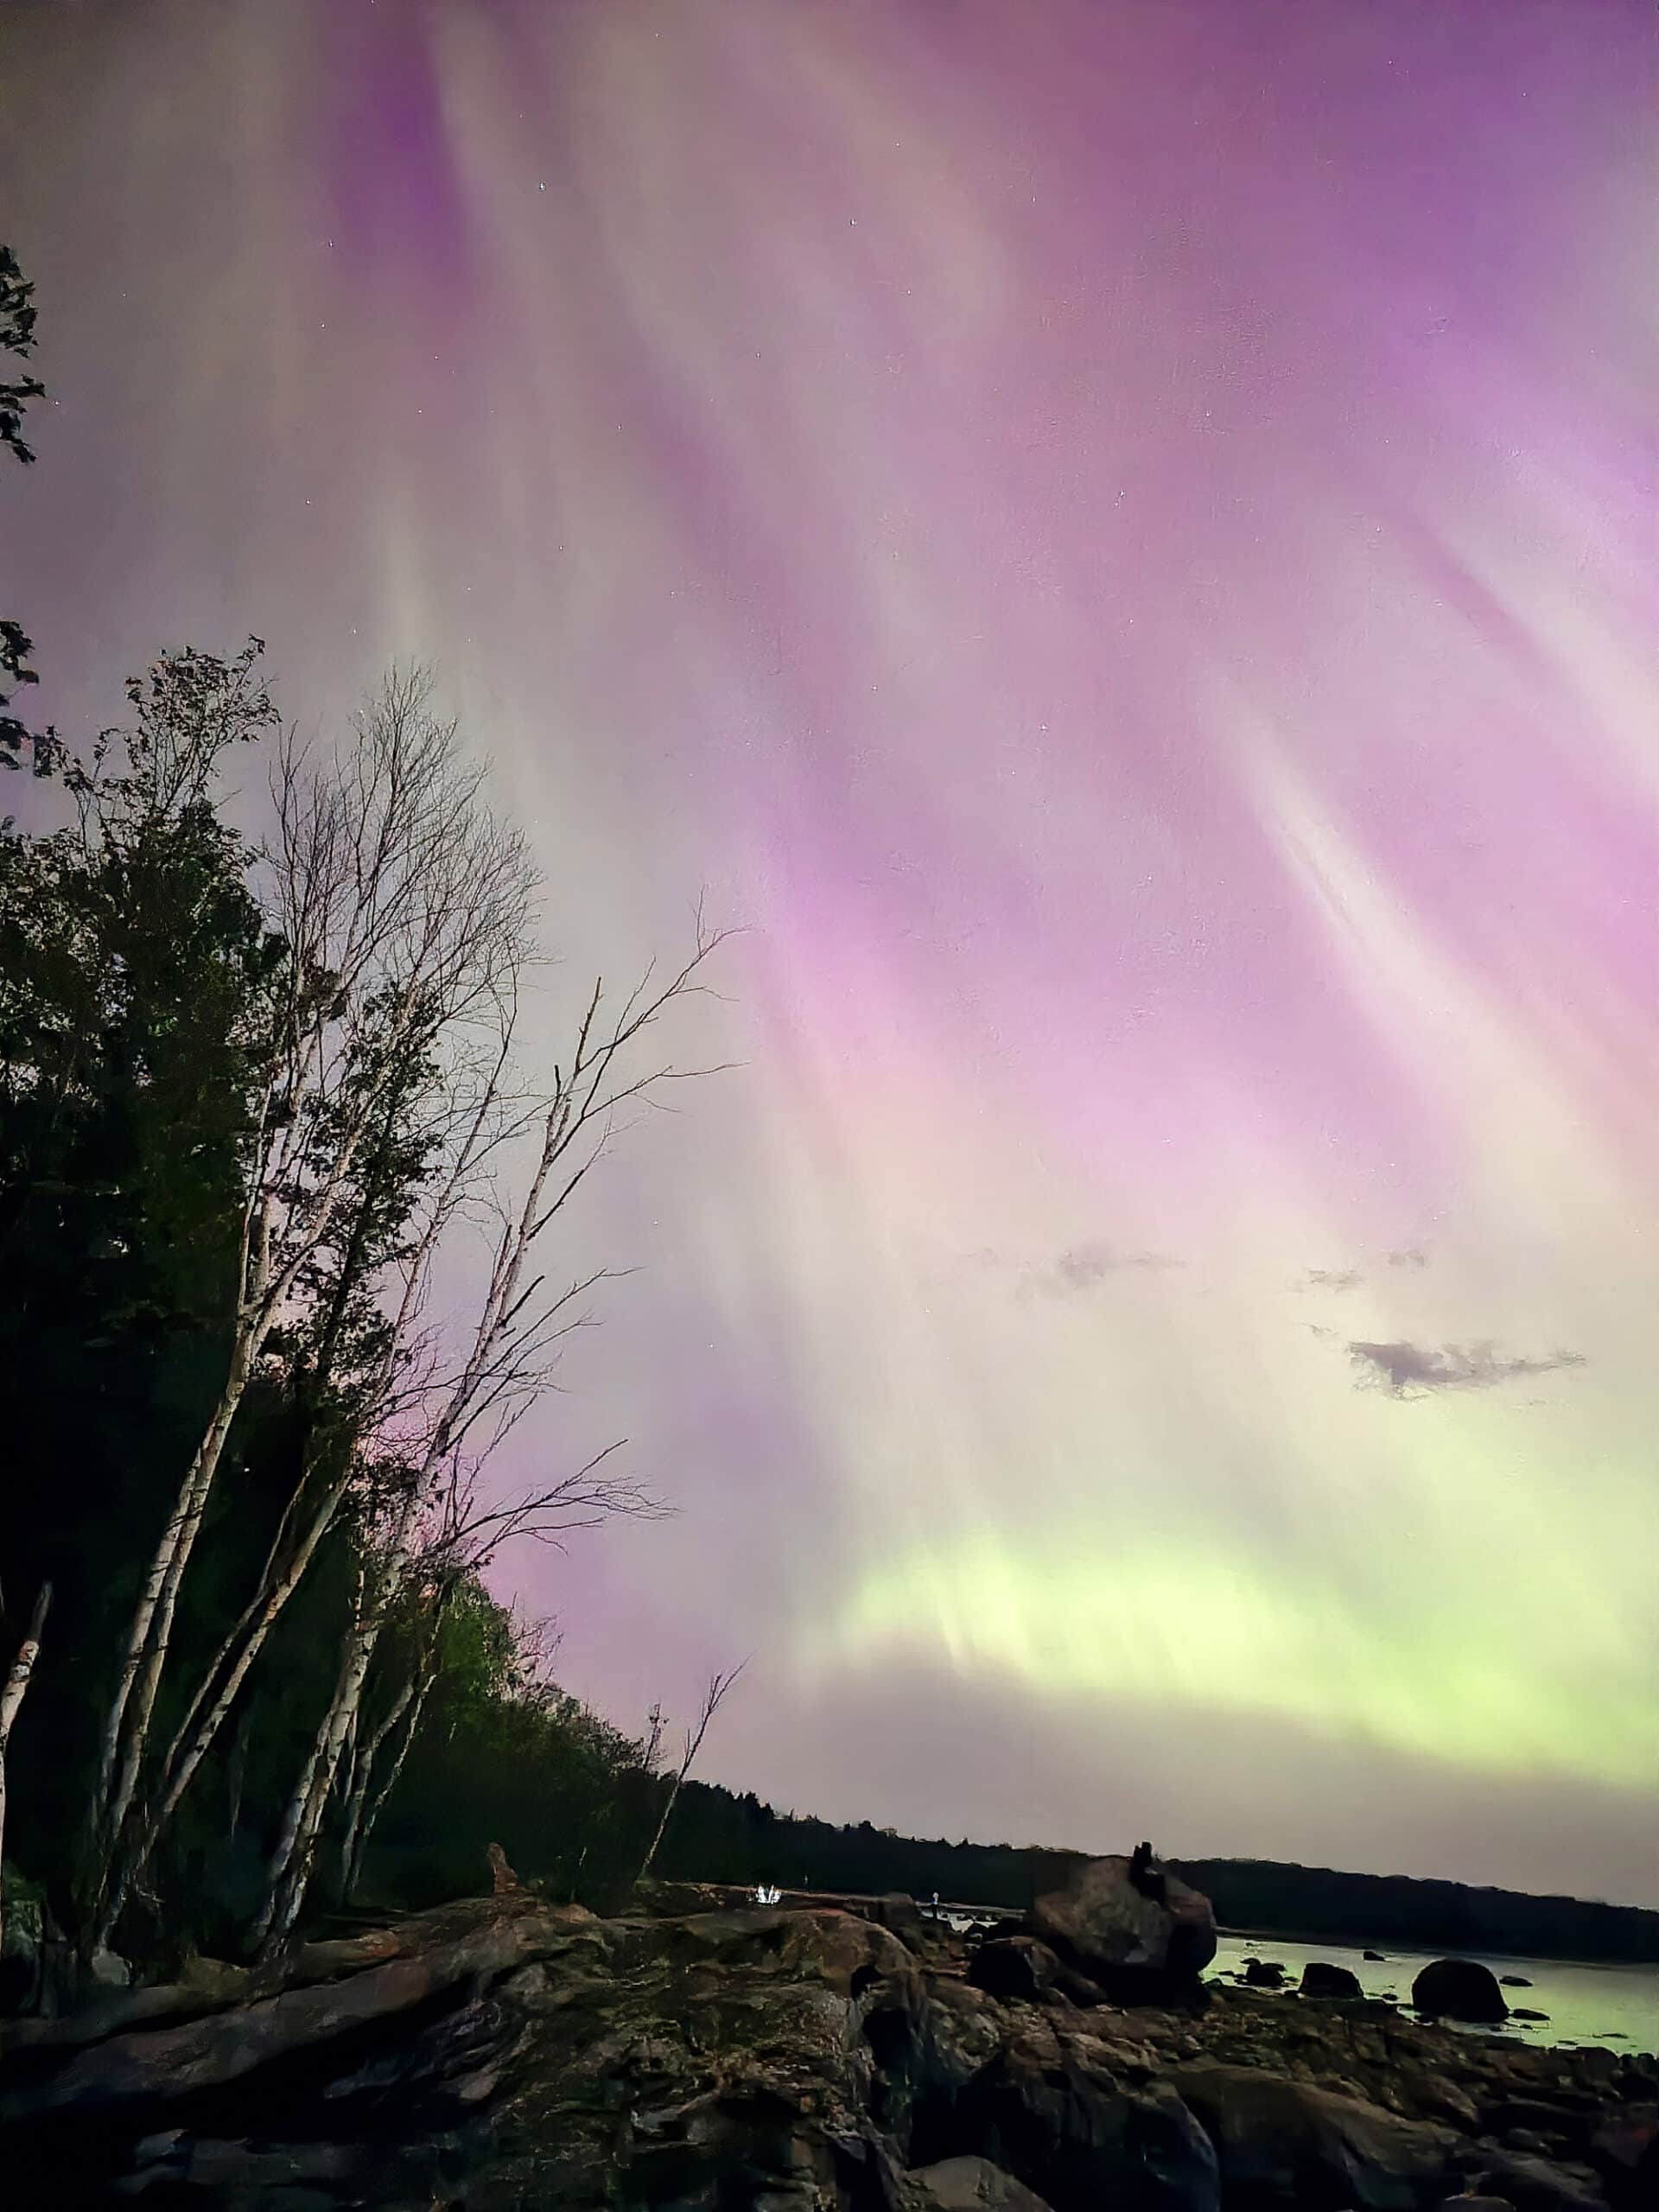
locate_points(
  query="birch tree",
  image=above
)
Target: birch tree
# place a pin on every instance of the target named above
(404, 906)
(357, 1371)
(438, 1510)
(13, 1690)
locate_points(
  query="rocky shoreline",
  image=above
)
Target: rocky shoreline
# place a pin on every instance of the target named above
(504, 2053)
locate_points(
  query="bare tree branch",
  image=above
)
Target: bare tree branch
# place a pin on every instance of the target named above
(718, 1685)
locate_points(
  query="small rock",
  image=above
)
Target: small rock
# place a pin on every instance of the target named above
(1514, 1981)
(108, 1970)
(897, 1912)
(1320, 1979)
(1377, 1955)
(1264, 1973)
(1526, 2013)
(968, 2186)
(1445, 2099)
(1014, 1966)
(1535, 2185)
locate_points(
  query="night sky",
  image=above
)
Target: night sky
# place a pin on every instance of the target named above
(1117, 541)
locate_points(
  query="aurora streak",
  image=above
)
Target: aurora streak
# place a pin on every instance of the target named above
(1118, 541)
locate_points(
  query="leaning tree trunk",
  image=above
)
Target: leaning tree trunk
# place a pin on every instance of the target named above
(12, 1694)
(289, 1869)
(216, 1696)
(363, 1808)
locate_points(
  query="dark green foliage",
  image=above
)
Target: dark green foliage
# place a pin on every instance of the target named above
(134, 993)
(503, 1759)
(16, 337)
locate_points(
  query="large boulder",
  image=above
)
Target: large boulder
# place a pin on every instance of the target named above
(541, 2055)
(1459, 1989)
(1281, 2142)
(1138, 1940)
(1057, 2108)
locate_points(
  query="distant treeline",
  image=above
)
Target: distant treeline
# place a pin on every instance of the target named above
(717, 1836)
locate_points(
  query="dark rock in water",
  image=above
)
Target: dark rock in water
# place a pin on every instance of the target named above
(1135, 1945)
(1264, 1973)
(1476, 2204)
(1320, 1979)
(1014, 1966)
(1377, 1955)
(1514, 1981)
(967, 2185)
(1526, 2013)
(1458, 1989)
(1281, 2142)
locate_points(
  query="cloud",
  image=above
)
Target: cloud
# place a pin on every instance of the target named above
(1079, 1269)
(1329, 1279)
(1412, 1256)
(1407, 1371)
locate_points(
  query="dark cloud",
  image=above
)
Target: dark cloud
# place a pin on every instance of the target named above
(1329, 1279)
(1407, 1371)
(1087, 1264)
(1075, 1272)
(1412, 1256)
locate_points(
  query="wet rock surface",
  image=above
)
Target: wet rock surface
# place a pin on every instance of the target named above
(504, 2053)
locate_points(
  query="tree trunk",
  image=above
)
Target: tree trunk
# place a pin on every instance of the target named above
(290, 1868)
(12, 1694)
(126, 1731)
(361, 1812)
(128, 1864)
(662, 1827)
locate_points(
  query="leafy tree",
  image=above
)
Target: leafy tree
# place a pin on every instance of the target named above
(17, 338)
(132, 1005)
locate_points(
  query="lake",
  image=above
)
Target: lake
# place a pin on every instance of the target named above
(1616, 2006)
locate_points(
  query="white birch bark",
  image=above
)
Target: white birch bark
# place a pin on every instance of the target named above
(13, 1691)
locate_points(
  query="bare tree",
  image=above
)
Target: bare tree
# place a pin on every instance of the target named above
(406, 907)
(13, 1691)
(718, 1685)
(651, 1744)
(436, 1509)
